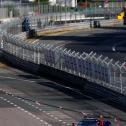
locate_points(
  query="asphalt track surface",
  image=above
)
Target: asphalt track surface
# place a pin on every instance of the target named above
(30, 100)
(108, 41)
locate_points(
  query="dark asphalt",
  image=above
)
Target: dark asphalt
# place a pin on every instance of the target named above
(57, 107)
(108, 41)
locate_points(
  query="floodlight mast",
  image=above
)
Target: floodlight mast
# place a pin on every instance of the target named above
(1, 1)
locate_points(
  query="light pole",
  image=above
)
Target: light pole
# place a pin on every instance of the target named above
(65, 11)
(1, 2)
(20, 2)
(39, 6)
(121, 82)
(75, 8)
(118, 67)
(75, 3)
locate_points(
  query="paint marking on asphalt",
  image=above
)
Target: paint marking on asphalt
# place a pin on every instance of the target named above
(15, 105)
(113, 49)
(56, 118)
(60, 120)
(48, 113)
(64, 122)
(5, 99)
(52, 115)
(18, 107)
(34, 116)
(8, 93)
(37, 103)
(37, 118)
(32, 105)
(68, 124)
(12, 103)
(41, 121)
(26, 111)
(29, 113)
(22, 109)
(45, 123)
(37, 107)
(35, 41)
(17, 79)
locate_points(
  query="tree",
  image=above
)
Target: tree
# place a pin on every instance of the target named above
(42, 1)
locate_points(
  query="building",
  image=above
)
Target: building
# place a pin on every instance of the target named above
(71, 3)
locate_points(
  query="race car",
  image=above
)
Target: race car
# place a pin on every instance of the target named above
(89, 121)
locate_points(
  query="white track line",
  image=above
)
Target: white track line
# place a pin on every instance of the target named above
(22, 109)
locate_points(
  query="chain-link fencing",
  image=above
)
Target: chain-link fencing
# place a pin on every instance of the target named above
(60, 13)
(95, 68)
(46, 15)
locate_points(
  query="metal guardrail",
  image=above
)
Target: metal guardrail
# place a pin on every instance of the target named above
(95, 68)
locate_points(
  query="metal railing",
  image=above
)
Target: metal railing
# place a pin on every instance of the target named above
(46, 15)
(19, 10)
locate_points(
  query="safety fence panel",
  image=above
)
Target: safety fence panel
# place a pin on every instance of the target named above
(46, 15)
(90, 66)
(20, 9)
(96, 68)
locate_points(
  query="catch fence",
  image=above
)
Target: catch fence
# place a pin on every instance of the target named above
(96, 9)
(93, 67)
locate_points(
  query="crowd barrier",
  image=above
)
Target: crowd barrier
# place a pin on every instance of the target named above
(93, 9)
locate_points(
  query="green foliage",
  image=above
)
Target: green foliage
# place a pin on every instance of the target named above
(44, 1)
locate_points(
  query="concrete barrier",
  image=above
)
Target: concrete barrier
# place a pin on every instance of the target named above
(19, 63)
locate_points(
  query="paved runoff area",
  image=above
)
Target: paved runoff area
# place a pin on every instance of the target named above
(29, 100)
